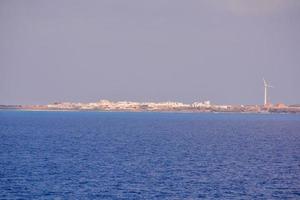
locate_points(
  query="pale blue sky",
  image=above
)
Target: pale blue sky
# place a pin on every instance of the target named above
(83, 51)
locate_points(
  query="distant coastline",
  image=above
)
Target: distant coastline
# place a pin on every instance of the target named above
(129, 106)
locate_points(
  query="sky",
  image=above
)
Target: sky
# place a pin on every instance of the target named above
(158, 50)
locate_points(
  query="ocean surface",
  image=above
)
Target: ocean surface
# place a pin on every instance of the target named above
(110, 155)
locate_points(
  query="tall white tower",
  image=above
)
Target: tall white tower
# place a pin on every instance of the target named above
(266, 85)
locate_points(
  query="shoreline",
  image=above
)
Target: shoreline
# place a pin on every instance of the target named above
(148, 111)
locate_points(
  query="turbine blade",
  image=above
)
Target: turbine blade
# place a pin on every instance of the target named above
(265, 83)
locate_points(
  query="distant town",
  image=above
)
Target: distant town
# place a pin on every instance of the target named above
(169, 106)
(129, 106)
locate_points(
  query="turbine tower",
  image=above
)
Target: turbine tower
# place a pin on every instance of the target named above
(266, 85)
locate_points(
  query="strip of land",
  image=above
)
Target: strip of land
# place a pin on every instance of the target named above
(129, 106)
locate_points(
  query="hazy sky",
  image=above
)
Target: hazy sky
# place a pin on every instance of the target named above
(156, 50)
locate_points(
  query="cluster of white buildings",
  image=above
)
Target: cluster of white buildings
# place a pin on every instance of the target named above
(205, 104)
(127, 105)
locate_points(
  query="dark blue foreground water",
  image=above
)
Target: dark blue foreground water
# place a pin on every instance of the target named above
(94, 155)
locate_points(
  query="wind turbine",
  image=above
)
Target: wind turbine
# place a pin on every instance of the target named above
(266, 85)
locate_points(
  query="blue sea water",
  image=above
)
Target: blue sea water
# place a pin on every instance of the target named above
(103, 155)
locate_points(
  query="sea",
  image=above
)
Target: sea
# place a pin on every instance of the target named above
(147, 155)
